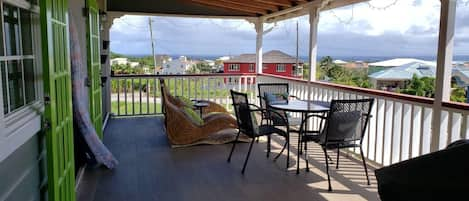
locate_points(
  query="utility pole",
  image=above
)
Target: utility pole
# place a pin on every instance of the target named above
(297, 47)
(152, 45)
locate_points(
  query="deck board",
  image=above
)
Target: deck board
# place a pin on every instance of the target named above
(150, 170)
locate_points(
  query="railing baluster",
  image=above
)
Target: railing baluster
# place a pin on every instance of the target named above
(140, 94)
(147, 87)
(125, 95)
(401, 136)
(155, 91)
(196, 89)
(384, 134)
(118, 97)
(450, 128)
(464, 129)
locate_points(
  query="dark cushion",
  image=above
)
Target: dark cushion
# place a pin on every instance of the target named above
(441, 175)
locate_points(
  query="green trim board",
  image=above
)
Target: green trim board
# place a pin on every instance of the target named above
(94, 66)
(58, 100)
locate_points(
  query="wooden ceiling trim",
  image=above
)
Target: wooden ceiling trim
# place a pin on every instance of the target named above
(254, 4)
(283, 3)
(232, 6)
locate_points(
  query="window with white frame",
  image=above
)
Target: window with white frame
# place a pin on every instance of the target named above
(18, 56)
(233, 67)
(251, 68)
(265, 66)
(281, 68)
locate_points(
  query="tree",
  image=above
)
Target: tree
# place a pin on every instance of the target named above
(424, 86)
(458, 94)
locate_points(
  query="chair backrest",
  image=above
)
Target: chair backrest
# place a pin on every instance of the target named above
(279, 88)
(347, 121)
(242, 112)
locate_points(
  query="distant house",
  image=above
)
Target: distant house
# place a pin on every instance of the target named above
(119, 61)
(356, 65)
(351, 64)
(124, 61)
(134, 64)
(398, 77)
(340, 62)
(275, 62)
(177, 66)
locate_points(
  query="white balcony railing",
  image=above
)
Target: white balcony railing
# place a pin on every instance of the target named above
(141, 94)
(399, 129)
(401, 124)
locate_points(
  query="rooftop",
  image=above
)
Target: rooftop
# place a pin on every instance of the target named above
(405, 72)
(400, 61)
(273, 56)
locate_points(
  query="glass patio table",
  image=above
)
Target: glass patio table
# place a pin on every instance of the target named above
(304, 107)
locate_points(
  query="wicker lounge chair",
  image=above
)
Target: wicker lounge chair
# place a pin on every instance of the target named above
(211, 108)
(183, 131)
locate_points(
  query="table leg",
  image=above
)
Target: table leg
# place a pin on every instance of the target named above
(299, 145)
(306, 148)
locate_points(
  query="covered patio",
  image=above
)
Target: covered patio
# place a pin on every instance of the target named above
(150, 170)
(38, 159)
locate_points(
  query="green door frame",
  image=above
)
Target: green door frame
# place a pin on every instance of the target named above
(94, 66)
(58, 100)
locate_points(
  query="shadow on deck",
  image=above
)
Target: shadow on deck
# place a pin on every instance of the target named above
(150, 170)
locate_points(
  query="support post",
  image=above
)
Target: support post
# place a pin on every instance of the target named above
(106, 67)
(313, 41)
(313, 46)
(259, 25)
(444, 66)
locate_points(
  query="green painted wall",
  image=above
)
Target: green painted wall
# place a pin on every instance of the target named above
(24, 172)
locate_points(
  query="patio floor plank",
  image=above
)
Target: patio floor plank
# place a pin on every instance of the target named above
(150, 170)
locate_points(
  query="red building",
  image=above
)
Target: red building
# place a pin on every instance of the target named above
(274, 62)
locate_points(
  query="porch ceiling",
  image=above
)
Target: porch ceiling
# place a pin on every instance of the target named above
(269, 9)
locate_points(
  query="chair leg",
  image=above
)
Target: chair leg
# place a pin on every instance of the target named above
(364, 165)
(288, 151)
(268, 146)
(247, 156)
(233, 147)
(298, 155)
(306, 156)
(338, 153)
(327, 169)
(283, 149)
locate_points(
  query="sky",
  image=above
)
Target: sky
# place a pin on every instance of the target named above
(377, 28)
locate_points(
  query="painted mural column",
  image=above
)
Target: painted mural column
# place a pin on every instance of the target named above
(443, 69)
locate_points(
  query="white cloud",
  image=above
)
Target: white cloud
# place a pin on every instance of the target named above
(410, 27)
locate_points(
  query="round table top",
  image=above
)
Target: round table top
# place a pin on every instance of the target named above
(301, 106)
(201, 104)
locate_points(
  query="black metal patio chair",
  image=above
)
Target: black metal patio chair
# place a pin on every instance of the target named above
(272, 118)
(247, 123)
(344, 127)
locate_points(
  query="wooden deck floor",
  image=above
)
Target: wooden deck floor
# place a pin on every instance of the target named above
(150, 170)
